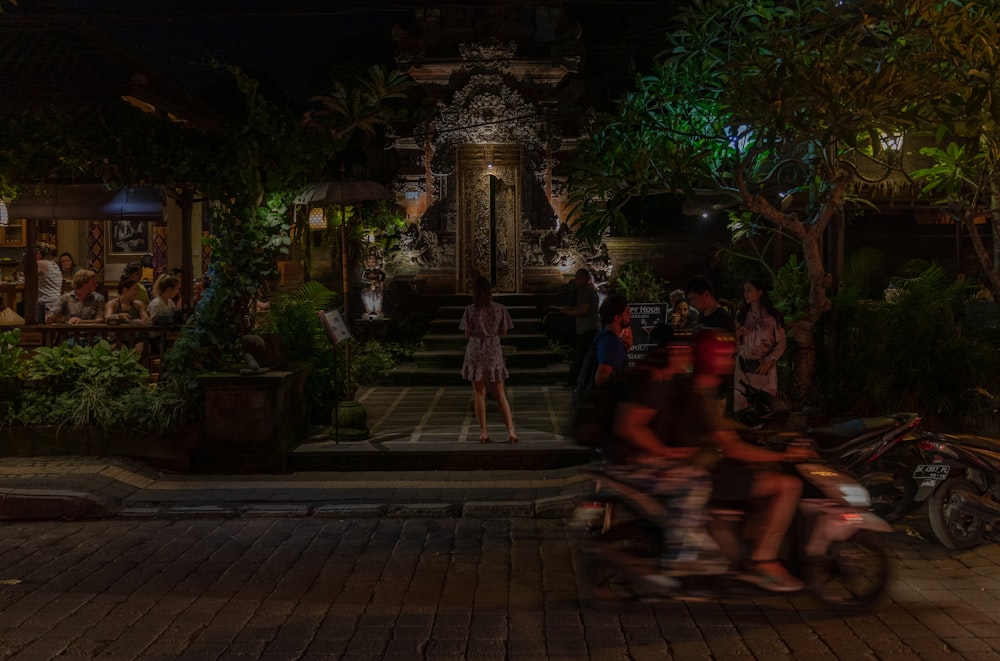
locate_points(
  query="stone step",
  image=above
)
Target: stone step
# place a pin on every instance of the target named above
(461, 300)
(515, 311)
(458, 341)
(503, 457)
(512, 358)
(525, 325)
(408, 374)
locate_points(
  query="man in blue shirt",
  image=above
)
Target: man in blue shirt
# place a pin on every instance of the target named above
(611, 353)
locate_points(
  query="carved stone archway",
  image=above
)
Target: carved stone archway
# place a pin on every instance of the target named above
(489, 212)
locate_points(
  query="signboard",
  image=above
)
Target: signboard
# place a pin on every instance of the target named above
(645, 316)
(334, 326)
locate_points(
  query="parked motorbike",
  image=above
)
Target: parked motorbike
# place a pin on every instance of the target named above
(833, 545)
(958, 476)
(863, 447)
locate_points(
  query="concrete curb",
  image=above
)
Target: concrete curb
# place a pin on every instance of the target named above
(55, 504)
(555, 507)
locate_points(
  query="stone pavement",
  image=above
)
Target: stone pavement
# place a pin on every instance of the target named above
(436, 589)
(434, 423)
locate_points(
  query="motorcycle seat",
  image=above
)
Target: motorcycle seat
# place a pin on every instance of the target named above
(855, 427)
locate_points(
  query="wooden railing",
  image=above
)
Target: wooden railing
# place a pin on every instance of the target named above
(155, 340)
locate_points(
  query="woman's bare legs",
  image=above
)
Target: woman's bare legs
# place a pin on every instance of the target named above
(508, 419)
(479, 402)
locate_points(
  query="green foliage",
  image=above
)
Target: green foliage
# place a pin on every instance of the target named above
(371, 361)
(294, 318)
(11, 354)
(790, 290)
(63, 367)
(913, 352)
(97, 387)
(637, 282)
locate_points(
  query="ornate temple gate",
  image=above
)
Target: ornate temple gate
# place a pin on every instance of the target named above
(489, 211)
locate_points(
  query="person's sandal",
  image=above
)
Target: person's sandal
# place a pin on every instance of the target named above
(512, 436)
(484, 439)
(770, 575)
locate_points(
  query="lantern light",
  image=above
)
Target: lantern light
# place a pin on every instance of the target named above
(317, 219)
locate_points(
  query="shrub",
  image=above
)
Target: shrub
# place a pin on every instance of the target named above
(638, 283)
(913, 353)
(94, 386)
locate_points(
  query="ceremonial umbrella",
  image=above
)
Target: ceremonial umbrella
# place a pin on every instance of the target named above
(341, 192)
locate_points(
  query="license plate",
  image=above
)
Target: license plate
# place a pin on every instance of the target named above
(931, 472)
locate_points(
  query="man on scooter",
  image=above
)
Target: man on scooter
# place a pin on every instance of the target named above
(650, 453)
(777, 494)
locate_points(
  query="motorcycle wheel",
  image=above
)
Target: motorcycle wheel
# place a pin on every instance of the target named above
(954, 529)
(624, 553)
(852, 574)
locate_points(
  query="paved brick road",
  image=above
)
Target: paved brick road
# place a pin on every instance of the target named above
(312, 588)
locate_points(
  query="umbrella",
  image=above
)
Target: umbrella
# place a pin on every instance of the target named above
(345, 191)
(341, 192)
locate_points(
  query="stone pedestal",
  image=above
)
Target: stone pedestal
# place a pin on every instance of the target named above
(252, 421)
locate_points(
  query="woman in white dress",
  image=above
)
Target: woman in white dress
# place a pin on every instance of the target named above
(760, 332)
(484, 322)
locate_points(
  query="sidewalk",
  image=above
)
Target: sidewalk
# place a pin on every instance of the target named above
(434, 424)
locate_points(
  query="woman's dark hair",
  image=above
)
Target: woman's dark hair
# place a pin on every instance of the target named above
(482, 292)
(765, 302)
(126, 283)
(71, 260)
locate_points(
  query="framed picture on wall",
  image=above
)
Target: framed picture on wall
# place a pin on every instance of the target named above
(128, 236)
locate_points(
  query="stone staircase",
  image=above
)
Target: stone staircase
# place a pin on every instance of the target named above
(529, 357)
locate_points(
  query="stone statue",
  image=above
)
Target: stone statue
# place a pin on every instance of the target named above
(253, 352)
(372, 296)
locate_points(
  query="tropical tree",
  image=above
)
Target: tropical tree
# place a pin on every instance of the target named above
(764, 106)
(966, 168)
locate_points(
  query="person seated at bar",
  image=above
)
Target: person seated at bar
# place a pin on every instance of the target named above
(83, 305)
(198, 288)
(127, 307)
(69, 267)
(176, 272)
(133, 270)
(164, 291)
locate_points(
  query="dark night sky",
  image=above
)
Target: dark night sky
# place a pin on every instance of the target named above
(294, 43)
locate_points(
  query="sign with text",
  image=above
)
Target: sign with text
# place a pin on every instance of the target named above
(645, 317)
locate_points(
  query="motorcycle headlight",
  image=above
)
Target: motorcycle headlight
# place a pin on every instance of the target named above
(855, 495)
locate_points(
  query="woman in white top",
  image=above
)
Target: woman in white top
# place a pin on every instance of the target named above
(165, 289)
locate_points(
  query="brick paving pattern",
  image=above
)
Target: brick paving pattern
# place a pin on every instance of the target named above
(259, 587)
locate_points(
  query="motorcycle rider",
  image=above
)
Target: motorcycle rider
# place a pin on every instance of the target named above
(775, 495)
(673, 436)
(649, 455)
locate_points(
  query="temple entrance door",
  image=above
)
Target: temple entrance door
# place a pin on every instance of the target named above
(489, 234)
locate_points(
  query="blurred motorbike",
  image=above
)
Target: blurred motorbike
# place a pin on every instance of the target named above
(833, 545)
(869, 448)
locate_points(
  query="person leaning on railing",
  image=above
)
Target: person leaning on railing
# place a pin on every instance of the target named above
(162, 304)
(127, 307)
(83, 305)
